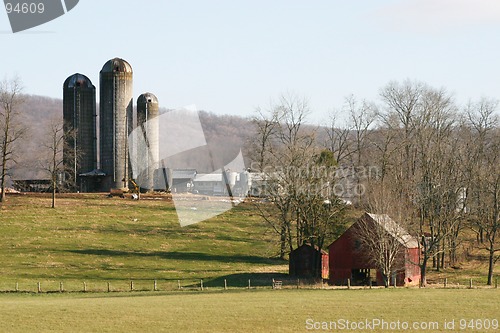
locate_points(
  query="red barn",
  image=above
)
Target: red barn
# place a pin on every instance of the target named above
(306, 261)
(350, 260)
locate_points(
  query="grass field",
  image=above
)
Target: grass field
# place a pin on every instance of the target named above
(248, 311)
(98, 240)
(95, 239)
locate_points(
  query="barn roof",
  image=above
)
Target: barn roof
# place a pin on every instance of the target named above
(94, 173)
(394, 229)
(323, 251)
(184, 173)
(208, 177)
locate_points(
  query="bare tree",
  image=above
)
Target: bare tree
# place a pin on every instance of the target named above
(299, 182)
(483, 199)
(338, 138)
(403, 103)
(350, 139)
(362, 116)
(382, 243)
(425, 169)
(316, 203)
(61, 174)
(54, 164)
(293, 146)
(382, 195)
(264, 124)
(438, 174)
(10, 128)
(487, 210)
(435, 170)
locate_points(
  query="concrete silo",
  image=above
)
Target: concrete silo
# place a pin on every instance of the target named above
(79, 114)
(148, 151)
(116, 122)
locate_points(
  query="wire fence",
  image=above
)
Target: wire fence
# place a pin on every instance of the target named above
(181, 285)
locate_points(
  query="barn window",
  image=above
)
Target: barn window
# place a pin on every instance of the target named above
(360, 276)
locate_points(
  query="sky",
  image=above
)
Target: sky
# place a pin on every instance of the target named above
(230, 57)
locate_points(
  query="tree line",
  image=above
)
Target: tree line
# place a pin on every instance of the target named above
(433, 165)
(414, 154)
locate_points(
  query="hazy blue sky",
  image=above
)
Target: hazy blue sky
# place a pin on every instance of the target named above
(231, 56)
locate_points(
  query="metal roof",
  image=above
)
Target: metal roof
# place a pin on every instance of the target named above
(323, 251)
(116, 65)
(395, 230)
(94, 173)
(209, 177)
(183, 173)
(147, 98)
(78, 80)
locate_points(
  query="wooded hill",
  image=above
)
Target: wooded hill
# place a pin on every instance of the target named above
(225, 136)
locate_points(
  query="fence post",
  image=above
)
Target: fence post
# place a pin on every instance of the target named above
(201, 284)
(225, 284)
(155, 288)
(445, 282)
(470, 283)
(39, 287)
(17, 287)
(131, 285)
(348, 283)
(249, 284)
(370, 283)
(109, 288)
(61, 287)
(84, 287)
(179, 284)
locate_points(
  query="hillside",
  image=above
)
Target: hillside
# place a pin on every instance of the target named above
(96, 239)
(225, 135)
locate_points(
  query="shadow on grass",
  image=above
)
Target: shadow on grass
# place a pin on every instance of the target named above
(188, 256)
(240, 280)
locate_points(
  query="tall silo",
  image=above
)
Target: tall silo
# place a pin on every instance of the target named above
(79, 115)
(149, 151)
(116, 121)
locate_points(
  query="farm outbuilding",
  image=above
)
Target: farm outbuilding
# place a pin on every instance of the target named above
(350, 259)
(308, 262)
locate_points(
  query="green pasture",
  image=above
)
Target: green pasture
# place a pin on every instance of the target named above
(94, 239)
(94, 242)
(250, 310)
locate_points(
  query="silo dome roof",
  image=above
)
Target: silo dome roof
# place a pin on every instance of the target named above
(147, 98)
(78, 80)
(116, 65)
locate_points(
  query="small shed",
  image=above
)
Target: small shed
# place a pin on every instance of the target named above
(348, 259)
(182, 180)
(308, 262)
(91, 181)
